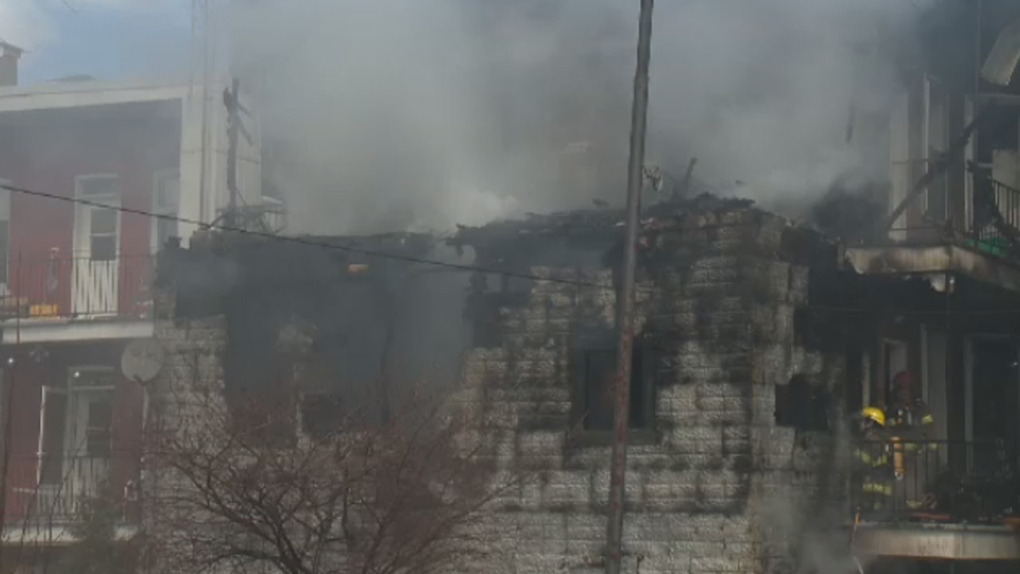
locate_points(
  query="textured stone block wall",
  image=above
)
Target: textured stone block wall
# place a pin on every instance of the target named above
(721, 488)
(188, 388)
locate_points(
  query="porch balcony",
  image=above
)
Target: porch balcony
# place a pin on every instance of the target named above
(973, 236)
(59, 291)
(954, 500)
(50, 498)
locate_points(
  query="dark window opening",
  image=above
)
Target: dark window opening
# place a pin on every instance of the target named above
(995, 395)
(99, 429)
(598, 374)
(321, 415)
(258, 380)
(802, 406)
(103, 248)
(264, 418)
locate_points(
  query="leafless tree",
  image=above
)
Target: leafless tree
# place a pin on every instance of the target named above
(404, 496)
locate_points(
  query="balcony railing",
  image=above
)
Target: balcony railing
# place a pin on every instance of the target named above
(996, 218)
(44, 491)
(990, 223)
(939, 481)
(80, 288)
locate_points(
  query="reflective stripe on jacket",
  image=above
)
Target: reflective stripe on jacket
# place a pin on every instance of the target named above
(872, 486)
(865, 456)
(915, 425)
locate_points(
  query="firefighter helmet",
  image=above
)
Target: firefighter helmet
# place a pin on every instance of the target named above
(874, 414)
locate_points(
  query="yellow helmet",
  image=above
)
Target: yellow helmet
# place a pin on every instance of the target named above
(875, 414)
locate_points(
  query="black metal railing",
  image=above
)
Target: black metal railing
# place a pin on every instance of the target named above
(996, 218)
(78, 287)
(991, 225)
(937, 481)
(62, 489)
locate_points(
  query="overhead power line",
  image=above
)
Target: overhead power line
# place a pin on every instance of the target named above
(431, 262)
(301, 240)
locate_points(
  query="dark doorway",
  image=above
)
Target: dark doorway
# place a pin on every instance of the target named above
(995, 400)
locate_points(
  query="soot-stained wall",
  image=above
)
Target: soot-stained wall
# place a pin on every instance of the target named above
(365, 317)
(716, 484)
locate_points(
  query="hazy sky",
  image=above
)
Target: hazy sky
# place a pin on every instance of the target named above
(105, 38)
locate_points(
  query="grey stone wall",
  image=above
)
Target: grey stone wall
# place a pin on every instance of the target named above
(181, 398)
(721, 488)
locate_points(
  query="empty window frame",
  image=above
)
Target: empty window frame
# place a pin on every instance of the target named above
(98, 227)
(77, 424)
(803, 406)
(595, 371)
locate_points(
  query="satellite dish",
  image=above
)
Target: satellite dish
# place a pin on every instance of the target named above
(142, 360)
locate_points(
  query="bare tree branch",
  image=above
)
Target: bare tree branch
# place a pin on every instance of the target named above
(387, 497)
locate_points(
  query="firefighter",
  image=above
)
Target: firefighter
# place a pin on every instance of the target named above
(911, 421)
(871, 453)
(908, 415)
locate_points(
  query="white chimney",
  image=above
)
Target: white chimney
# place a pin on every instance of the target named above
(9, 56)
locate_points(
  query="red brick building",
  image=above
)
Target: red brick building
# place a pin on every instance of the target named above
(75, 276)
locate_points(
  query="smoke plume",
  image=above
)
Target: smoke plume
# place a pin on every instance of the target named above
(402, 114)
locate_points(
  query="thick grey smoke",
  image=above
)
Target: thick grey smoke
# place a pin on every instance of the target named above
(422, 113)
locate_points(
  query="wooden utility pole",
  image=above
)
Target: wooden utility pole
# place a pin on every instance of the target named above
(625, 297)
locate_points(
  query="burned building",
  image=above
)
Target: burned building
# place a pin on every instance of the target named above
(755, 339)
(737, 397)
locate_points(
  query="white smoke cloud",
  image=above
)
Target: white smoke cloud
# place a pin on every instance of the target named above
(403, 106)
(25, 24)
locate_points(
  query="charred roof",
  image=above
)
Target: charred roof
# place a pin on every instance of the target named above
(594, 222)
(557, 238)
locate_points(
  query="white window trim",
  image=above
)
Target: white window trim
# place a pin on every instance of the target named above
(5, 195)
(113, 200)
(69, 423)
(96, 176)
(158, 179)
(970, 152)
(90, 369)
(885, 377)
(45, 391)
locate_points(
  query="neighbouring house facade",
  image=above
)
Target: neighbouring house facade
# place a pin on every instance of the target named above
(952, 247)
(77, 260)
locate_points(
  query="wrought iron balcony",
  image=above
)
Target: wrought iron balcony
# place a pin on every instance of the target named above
(78, 288)
(58, 490)
(992, 220)
(937, 481)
